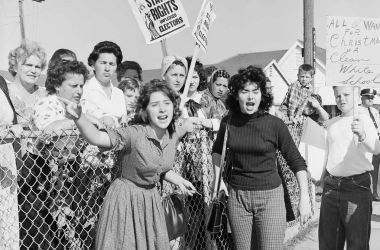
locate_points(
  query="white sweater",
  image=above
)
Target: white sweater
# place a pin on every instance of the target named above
(346, 156)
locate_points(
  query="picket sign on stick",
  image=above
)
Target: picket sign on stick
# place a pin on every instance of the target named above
(164, 48)
(200, 32)
(189, 76)
(159, 19)
(352, 54)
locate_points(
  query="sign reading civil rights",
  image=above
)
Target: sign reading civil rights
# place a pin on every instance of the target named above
(353, 51)
(205, 17)
(159, 19)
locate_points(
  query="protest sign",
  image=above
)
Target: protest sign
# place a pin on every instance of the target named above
(205, 17)
(352, 51)
(159, 19)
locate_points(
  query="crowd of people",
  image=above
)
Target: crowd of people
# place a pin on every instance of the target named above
(156, 139)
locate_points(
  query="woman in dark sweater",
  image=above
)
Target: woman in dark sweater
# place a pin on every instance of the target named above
(256, 197)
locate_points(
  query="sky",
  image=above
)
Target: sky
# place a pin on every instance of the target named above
(241, 26)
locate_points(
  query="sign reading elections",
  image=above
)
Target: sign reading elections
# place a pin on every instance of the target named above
(205, 17)
(159, 19)
(352, 51)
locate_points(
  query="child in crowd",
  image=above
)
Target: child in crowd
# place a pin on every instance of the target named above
(130, 88)
(296, 98)
(346, 204)
(129, 69)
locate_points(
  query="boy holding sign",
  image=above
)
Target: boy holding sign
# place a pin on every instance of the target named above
(346, 204)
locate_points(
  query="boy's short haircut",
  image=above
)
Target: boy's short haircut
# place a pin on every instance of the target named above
(129, 83)
(124, 66)
(306, 68)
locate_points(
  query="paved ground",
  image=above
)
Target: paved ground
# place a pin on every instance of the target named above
(310, 240)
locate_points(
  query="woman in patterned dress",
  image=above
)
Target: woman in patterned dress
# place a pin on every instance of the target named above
(132, 216)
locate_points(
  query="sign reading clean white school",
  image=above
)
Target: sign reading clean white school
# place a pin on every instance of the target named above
(159, 19)
(353, 51)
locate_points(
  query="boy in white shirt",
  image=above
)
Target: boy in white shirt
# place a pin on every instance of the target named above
(346, 204)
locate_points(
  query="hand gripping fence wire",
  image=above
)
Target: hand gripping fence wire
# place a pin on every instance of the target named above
(52, 188)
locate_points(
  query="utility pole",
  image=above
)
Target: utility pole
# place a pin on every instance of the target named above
(21, 14)
(308, 37)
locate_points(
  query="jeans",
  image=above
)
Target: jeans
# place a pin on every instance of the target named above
(346, 209)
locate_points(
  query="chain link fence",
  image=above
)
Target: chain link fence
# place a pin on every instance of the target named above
(52, 189)
(51, 192)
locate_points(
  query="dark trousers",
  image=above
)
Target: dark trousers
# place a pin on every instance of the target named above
(346, 209)
(375, 172)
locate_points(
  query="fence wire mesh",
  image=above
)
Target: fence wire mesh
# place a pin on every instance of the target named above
(52, 189)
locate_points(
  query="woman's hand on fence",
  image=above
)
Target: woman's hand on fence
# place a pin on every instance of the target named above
(186, 187)
(73, 110)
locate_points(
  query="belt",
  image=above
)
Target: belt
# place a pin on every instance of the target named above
(149, 186)
(347, 178)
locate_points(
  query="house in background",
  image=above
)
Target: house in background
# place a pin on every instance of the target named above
(281, 66)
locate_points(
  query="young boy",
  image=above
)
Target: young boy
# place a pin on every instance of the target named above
(131, 90)
(346, 204)
(298, 93)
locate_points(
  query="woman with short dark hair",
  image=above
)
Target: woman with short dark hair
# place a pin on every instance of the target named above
(101, 98)
(64, 80)
(256, 207)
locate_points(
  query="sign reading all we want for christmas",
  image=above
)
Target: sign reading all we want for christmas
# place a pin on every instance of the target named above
(353, 51)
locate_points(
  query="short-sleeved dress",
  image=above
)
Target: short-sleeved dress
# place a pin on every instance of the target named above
(132, 216)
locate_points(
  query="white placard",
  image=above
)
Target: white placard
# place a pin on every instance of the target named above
(159, 19)
(202, 26)
(352, 51)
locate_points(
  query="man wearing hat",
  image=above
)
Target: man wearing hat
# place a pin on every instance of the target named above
(367, 97)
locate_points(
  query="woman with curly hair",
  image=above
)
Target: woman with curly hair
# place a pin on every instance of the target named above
(132, 216)
(256, 207)
(25, 64)
(64, 80)
(101, 98)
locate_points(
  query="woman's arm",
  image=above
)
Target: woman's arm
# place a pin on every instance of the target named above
(86, 128)
(184, 185)
(304, 205)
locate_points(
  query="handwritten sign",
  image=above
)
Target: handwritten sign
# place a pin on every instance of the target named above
(353, 51)
(159, 19)
(205, 17)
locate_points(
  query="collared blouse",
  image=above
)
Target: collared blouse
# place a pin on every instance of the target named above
(47, 110)
(142, 157)
(96, 102)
